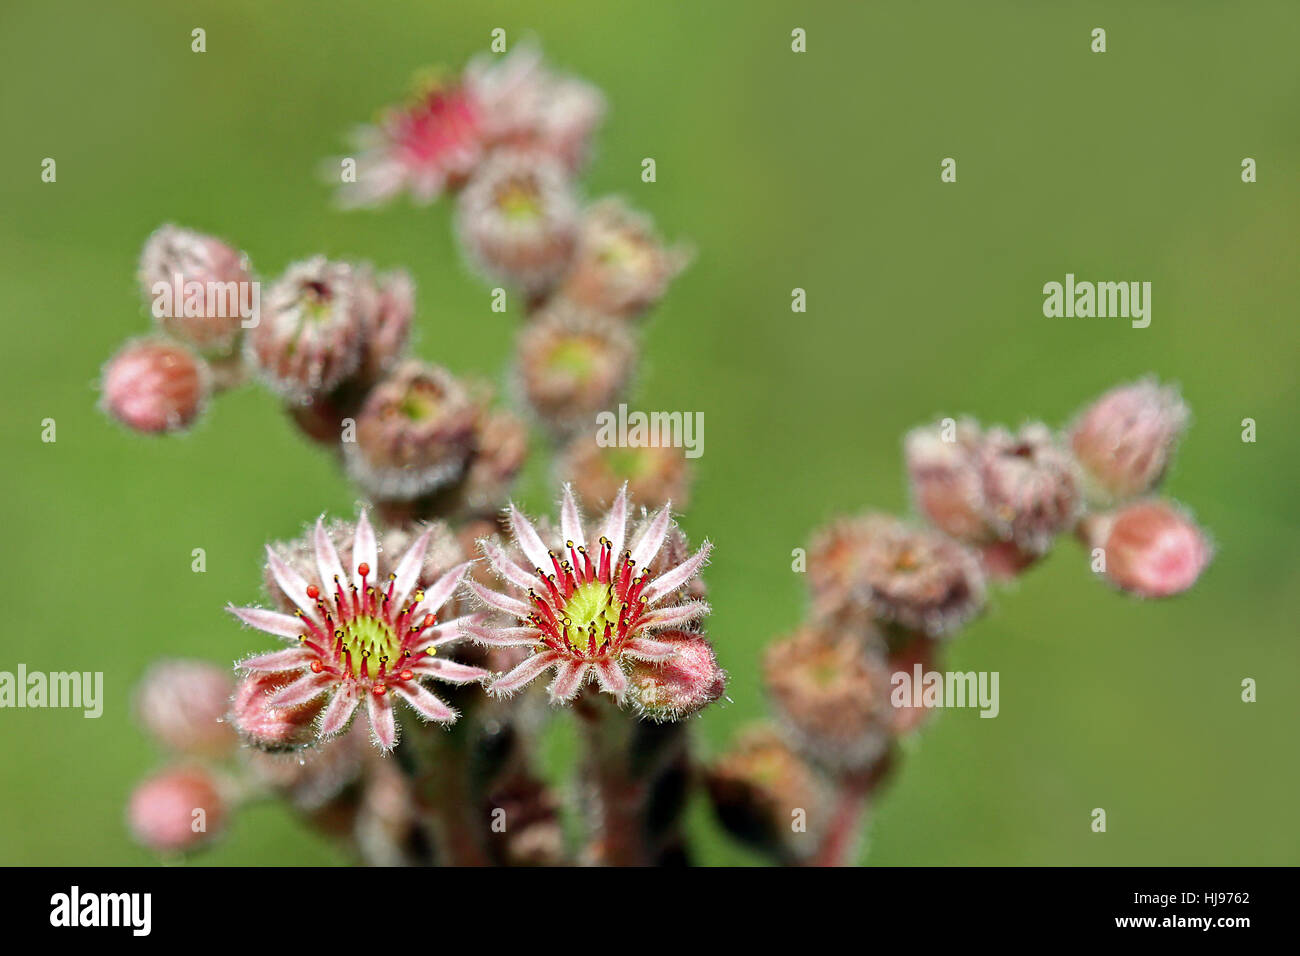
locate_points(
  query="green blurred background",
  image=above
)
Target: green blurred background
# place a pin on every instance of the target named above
(818, 171)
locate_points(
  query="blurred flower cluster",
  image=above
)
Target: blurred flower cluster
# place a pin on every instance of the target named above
(887, 594)
(400, 713)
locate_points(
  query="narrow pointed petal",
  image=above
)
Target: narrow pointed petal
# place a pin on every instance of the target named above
(442, 589)
(506, 566)
(408, 569)
(648, 649)
(424, 702)
(450, 671)
(278, 661)
(571, 519)
(448, 632)
(528, 539)
(616, 522)
(293, 584)
(500, 601)
(611, 678)
(365, 550)
(652, 539)
(383, 725)
(670, 581)
(502, 636)
(569, 678)
(524, 673)
(339, 711)
(272, 622)
(327, 559)
(675, 615)
(305, 688)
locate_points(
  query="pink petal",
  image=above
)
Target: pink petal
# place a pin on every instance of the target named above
(293, 584)
(449, 632)
(278, 661)
(648, 649)
(449, 671)
(500, 601)
(527, 537)
(272, 622)
(570, 519)
(670, 581)
(305, 688)
(442, 589)
(327, 560)
(524, 673)
(339, 711)
(569, 678)
(611, 678)
(364, 550)
(505, 566)
(424, 703)
(652, 539)
(677, 614)
(383, 724)
(408, 569)
(616, 523)
(502, 636)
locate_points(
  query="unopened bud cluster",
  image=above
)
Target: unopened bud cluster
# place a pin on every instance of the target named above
(887, 593)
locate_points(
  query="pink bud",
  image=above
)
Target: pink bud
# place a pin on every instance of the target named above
(155, 386)
(312, 329)
(943, 471)
(176, 261)
(571, 364)
(414, 433)
(1153, 550)
(681, 686)
(1125, 439)
(183, 703)
(390, 308)
(621, 267)
(176, 810)
(271, 728)
(830, 689)
(517, 220)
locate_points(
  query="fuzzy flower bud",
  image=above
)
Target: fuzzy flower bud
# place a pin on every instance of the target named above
(944, 475)
(1009, 493)
(1125, 439)
(831, 690)
(1152, 549)
(271, 728)
(914, 578)
(766, 795)
(654, 475)
(570, 364)
(1031, 487)
(196, 286)
(389, 306)
(311, 336)
(501, 451)
(517, 220)
(154, 386)
(621, 268)
(680, 686)
(177, 809)
(183, 704)
(414, 433)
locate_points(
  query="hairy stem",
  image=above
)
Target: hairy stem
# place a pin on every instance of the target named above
(637, 776)
(437, 761)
